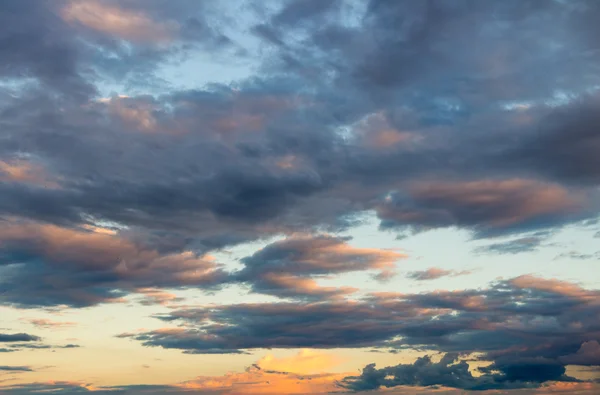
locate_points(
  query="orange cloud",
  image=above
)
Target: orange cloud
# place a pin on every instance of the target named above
(306, 286)
(119, 22)
(156, 296)
(552, 285)
(25, 172)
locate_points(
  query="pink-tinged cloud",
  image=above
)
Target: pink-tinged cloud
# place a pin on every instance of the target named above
(486, 206)
(134, 114)
(50, 324)
(296, 285)
(290, 267)
(119, 22)
(23, 171)
(528, 198)
(325, 254)
(69, 266)
(375, 131)
(553, 285)
(153, 296)
(98, 250)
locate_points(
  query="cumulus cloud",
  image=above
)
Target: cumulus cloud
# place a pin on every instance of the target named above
(587, 355)
(454, 373)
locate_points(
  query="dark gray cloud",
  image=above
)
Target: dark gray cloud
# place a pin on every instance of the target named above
(37, 44)
(566, 143)
(28, 346)
(587, 355)
(452, 372)
(17, 337)
(23, 341)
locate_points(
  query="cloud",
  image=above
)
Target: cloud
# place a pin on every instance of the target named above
(564, 149)
(22, 171)
(157, 297)
(17, 337)
(487, 206)
(351, 109)
(255, 380)
(45, 323)
(578, 255)
(15, 369)
(587, 355)
(29, 346)
(341, 77)
(122, 23)
(514, 246)
(524, 317)
(434, 273)
(82, 268)
(453, 373)
(288, 268)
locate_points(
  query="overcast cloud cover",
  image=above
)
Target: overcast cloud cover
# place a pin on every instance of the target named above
(213, 185)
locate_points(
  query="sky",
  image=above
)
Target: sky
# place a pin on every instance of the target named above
(300, 197)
